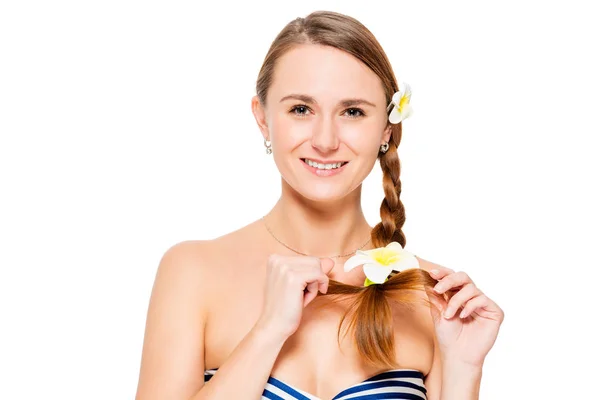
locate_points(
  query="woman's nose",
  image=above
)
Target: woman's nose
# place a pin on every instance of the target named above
(325, 135)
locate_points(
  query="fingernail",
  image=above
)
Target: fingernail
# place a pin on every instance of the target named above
(447, 313)
(435, 271)
(437, 288)
(463, 314)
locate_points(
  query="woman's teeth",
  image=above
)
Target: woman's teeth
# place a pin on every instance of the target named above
(323, 166)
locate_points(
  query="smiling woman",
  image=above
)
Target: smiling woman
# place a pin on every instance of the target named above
(328, 106)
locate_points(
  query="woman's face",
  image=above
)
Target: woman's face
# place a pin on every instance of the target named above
(323, 105)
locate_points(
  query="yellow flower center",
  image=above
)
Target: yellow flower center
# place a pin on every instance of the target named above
(385, 256)
(402, 102)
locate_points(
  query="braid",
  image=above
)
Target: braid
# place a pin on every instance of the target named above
(392, 210)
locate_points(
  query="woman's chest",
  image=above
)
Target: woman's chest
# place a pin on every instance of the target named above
(317, 347)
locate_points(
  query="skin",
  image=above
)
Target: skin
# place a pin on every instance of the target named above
(207, 298)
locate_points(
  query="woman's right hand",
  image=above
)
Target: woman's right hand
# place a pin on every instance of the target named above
(291, 284)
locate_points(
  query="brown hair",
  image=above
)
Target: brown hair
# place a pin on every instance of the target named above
(369, 313)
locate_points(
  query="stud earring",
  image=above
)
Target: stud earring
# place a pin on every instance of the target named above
(384, 147)
(268, 146)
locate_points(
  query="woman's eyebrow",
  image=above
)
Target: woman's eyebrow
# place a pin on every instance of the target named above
(310, 100)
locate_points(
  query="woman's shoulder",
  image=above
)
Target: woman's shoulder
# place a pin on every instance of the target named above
(182, 297)
(188, 257)
(425, 264)
(184, 269)
(202, 257)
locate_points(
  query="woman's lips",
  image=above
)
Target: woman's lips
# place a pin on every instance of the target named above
(324, 172)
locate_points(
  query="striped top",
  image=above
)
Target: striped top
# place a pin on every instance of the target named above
(393, 384)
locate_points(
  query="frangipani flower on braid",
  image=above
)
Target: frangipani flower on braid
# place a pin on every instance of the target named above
(379, 263)
(401, 104)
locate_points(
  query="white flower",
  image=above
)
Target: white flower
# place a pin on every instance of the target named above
(401, 101)
(380, 262)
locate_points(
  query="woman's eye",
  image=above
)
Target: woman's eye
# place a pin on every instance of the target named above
(301, 109)
(355, 112)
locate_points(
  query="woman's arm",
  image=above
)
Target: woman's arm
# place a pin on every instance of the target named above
(451, 380)
(172, 365)
(466, 325)
(460, 381)
(245, 372)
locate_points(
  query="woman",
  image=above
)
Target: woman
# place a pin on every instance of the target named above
(257, 311)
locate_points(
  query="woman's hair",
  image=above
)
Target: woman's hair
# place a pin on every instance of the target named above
(369, 313)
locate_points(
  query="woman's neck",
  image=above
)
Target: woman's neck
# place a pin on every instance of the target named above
(318, 229)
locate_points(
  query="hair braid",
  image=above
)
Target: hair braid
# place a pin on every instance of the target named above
(392, 211)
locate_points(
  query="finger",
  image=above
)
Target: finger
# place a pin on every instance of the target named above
(438, 274)
(452, 281)
(311, 287)
(311, 280)
(304, 276)
(435, 270)
(438, 304)
(310, 292)
(465, 294)
(481, 302)
(327, 265)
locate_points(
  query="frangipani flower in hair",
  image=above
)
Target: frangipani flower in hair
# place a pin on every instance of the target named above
(401, 104)
(380, 262)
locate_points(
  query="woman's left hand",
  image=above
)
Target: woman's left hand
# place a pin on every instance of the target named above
(467, 324)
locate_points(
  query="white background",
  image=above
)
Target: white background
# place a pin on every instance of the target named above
(126, 128)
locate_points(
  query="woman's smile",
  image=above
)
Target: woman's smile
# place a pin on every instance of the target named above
(323, 170)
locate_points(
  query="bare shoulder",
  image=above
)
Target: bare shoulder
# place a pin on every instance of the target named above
(172, 355)
(198, 262)
(427, 265)
(186, 266)
(188, 281)
(204, 258)
(186, 255)
(197, 266)
(189, 256)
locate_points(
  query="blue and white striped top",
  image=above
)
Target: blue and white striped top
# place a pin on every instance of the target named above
(393, 384)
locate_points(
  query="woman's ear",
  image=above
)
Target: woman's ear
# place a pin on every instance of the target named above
(387, 133)
(261, 117)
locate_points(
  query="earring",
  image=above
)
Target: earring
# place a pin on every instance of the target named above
(268, 146)
(384, 147)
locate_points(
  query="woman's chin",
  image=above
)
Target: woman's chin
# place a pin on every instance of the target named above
(323, 192)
